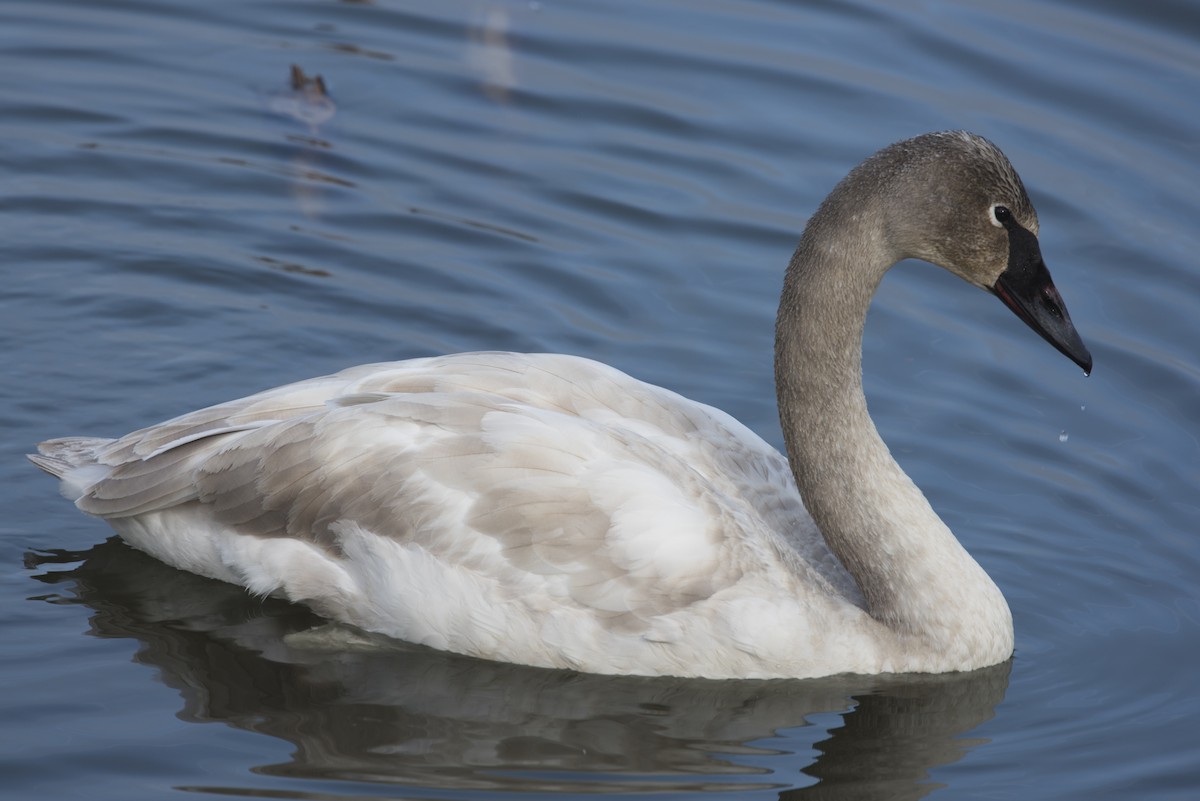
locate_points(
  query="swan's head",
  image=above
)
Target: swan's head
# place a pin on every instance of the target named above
(956, 201)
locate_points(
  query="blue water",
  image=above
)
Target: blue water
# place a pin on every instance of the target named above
(624, 181)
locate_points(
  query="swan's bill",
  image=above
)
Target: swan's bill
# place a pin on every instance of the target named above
(1026, 288)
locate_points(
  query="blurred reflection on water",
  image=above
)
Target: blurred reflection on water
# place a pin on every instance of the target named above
(394, 713)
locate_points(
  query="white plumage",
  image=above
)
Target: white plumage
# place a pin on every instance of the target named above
(553, 511)
(542, 509)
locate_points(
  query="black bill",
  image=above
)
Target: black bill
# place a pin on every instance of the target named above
(1026, 288)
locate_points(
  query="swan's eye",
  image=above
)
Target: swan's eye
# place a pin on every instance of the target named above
(1000, 215)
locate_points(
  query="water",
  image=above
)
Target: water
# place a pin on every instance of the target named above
(623, 181)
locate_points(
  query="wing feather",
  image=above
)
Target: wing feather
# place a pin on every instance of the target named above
(544, 474)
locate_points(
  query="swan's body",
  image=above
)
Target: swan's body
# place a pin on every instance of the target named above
(552, 511)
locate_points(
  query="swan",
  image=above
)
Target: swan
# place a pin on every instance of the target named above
(552, 511)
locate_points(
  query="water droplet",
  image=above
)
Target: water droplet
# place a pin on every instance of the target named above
(1062, 436)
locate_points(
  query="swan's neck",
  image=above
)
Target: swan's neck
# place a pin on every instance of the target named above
(916, 578)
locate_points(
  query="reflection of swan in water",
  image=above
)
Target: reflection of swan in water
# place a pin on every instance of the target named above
(419, 718)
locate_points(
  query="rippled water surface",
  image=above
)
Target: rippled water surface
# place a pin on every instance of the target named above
(624, 181)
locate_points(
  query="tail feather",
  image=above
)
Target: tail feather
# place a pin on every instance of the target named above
(51, 464)
(73, 460)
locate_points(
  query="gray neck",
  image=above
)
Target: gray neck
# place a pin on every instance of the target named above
(917, 580)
